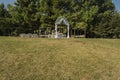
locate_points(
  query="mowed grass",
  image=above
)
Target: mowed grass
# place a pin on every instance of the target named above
(59, 59)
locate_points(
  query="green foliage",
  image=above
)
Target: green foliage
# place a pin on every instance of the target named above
(26, 13)
(5, 22)
(114, 27)
(81, 25)
(30, 15)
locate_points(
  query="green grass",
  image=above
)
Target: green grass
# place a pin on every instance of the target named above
(59, 59)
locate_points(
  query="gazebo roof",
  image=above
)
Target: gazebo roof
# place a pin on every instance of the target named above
(60, 20)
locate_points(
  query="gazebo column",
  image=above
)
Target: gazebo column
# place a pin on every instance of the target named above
(56, 33)
(68, 29)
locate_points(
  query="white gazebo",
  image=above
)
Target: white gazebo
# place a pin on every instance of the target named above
(58, 22)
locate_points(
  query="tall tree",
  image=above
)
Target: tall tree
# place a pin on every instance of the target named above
(4, 21)
(26, 14)
(114, 26)
(98, 13)
(46, 13)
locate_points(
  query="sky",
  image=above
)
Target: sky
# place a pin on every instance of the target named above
(116, 2)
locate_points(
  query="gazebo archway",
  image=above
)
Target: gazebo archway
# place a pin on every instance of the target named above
(58, 22)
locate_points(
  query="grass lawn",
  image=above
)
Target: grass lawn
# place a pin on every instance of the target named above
(59, 59)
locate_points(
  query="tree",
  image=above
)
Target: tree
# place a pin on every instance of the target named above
(100, 12)
(91, 12)
(4, 21)
(46, 13)
(29, 15)
(26, 14)
(114, 29)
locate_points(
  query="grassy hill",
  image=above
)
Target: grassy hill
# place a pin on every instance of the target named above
(59, 59)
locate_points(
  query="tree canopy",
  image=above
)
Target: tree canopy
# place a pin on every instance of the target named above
(98, 17)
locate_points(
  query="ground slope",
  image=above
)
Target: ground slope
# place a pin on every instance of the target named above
(59, 59)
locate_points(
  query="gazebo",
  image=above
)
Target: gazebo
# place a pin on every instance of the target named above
(58, 22)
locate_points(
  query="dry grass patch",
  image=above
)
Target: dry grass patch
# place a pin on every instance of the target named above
(59, 59)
